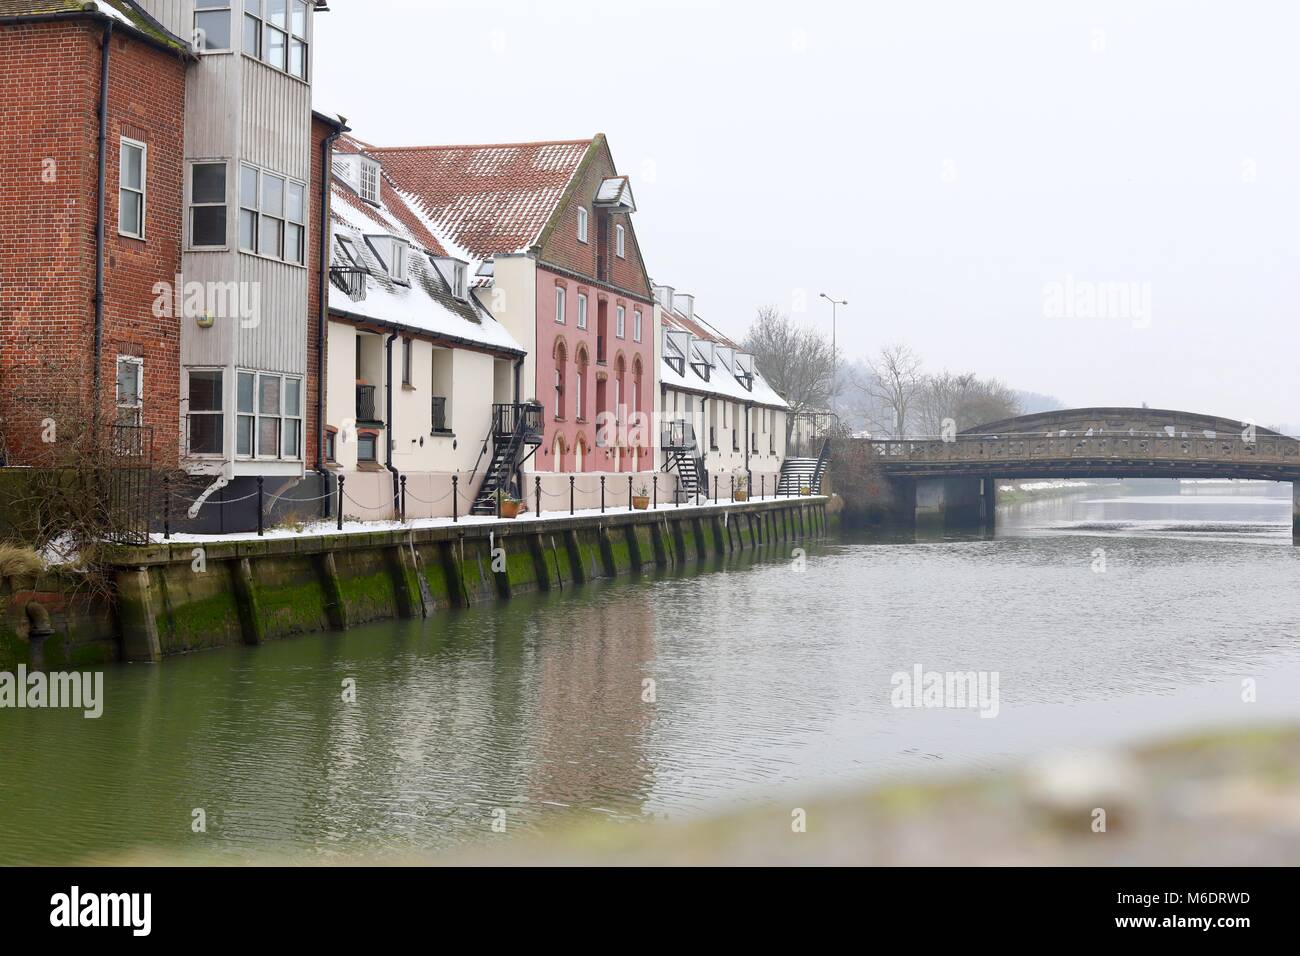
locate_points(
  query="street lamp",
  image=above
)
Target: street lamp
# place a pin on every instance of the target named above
(835, 355)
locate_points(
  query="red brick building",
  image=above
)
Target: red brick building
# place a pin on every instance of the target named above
(59, 339)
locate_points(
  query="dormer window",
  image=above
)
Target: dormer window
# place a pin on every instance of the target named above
(456, 274)
(582, 223)
(620, 242)
(369, 185)
(392, 253)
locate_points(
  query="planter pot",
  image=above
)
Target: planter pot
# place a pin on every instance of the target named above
(805, 491)
(511, 509)
(740, 496)
(640, 502)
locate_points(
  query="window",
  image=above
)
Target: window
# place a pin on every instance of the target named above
(559, 304)
(294, 232)
(407, 349)
(253, 28)
(367, 446)
(636, 325)
(582, 311)
(370, 181)
(298, 40)
(130, 193)
(212, 25)
(271, 238)
(397, 252)
(130, 389)
(331, 442)
(248, 207)
(620, 242)
(620, 322)
(268, 411)
(559, 393)
(204, 418)
(208, 205)
(275, 32)
(582, 223)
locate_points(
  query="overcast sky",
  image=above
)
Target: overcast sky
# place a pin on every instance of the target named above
(956, 170)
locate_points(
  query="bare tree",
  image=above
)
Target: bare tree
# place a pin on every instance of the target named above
(797, 361)
(958, 402)
(894, 383)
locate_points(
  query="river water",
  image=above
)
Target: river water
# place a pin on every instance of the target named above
(1108, 614)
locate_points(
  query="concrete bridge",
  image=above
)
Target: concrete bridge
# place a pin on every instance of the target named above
(953, 479)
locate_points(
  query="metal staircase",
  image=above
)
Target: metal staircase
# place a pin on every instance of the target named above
(808, 473)
(682, 454)
(515, 428)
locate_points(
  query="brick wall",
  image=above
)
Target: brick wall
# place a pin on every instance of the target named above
(319, 132)
(49, 97)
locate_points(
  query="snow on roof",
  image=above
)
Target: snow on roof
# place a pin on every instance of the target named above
(722, 381)
(616, 191)
(485, 200)
(427, 303)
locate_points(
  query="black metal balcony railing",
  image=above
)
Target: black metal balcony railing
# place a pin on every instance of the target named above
(440, 413)
(366, 403)
(507, 417)
(677, 436)
(350, 279)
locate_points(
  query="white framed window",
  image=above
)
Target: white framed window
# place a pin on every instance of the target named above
(275, 32)
(582, 310)
(582, 223)
(207, 205)
(268, 410)
(212, 26)
(636, 325)
(370, 181)
(620, 322)
(272, 213)
(205, 416)
(131, 188)
(620, 242)
(559, 305)
(130, 389)
(249, 206)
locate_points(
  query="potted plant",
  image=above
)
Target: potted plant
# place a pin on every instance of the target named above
(507, 504)
(641, 497)
(742, 489)
(805, 490)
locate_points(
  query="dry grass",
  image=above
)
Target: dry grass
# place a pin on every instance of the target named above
(17, 561)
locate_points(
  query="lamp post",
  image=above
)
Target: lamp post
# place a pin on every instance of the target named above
(835, 355)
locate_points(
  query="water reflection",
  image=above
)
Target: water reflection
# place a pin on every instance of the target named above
(765, 678)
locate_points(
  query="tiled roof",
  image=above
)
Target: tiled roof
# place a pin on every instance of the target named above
(393, 214)
(120, 10)
(486, 200)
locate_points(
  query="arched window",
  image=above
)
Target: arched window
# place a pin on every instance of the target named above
(620, 412)
(560, 356)
(579, 453)
(636, 384)
(557, 451)
(580, 393)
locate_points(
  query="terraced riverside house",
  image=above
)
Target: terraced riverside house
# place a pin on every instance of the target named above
(416, 364)
(720, 418)
(544, 234)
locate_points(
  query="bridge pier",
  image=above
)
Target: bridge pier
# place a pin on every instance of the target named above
(1295, 512)
(952, 502)
(989, 502)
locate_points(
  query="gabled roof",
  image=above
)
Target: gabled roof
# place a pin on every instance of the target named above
(394, 214)
(123, 12)
(426, 304)
(721, 381)
(483, 201)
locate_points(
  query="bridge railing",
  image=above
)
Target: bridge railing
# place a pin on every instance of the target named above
(992, 448)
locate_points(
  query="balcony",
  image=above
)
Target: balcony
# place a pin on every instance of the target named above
(439, 415)
(507, 418)
(677, 436)
(350, 279)
(366, 405)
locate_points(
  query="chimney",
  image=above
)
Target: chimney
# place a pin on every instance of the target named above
(684, 303)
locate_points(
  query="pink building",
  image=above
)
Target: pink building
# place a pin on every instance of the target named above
(544, 234)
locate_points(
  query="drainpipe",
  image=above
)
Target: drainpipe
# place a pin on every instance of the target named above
(97, 375)
(322, 320)
(388, 421)
(748, 441)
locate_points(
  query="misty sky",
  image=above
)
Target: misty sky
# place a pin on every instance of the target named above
(949, 168)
